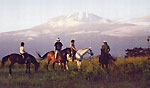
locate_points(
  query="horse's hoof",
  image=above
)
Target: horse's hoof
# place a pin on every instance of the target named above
(79, 70)
(10, 76)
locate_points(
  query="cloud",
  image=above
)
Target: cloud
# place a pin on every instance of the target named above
(47, 31)
(84, 32)
(128, 31)
(27, 33)
(141, 19)
(30, 38)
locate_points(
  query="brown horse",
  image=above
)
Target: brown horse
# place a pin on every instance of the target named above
(105, 59)
(62, 58)
(17, 58)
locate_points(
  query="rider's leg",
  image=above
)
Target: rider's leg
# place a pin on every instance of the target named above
(22, 55)
(26, 58)
(56, 54)
(73, 55)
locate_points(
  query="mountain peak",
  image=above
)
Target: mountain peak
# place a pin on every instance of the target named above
(75, 19)
(83, 16)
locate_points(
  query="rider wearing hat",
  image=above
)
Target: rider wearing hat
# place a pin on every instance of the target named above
(105, 47)
(57, 48)
(73, 49)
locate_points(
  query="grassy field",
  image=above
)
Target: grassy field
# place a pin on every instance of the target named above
(126, 73)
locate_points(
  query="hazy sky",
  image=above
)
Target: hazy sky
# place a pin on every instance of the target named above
(22, 14)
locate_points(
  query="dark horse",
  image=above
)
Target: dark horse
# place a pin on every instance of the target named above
(105, 59)
(17, 58)
(62, 57)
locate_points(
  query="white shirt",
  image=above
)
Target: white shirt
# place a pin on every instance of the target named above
(22, 50)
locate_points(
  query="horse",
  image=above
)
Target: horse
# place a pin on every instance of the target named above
(79, 56)
(62, 58)
(17, 58)
(105, 59)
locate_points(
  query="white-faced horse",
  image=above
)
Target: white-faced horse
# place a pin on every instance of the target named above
(79, 56)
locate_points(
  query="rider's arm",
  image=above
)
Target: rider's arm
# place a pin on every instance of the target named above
(55, 47)
(22, 50)
(61, 46)
(72, 47)
(102, 47)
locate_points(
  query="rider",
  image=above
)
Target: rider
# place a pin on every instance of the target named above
(73, 49)
(57, 48)
(106, 48)
(22, 51)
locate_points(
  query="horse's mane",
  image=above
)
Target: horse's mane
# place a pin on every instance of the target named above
(82, 49)
(65, 49)
(6, 56)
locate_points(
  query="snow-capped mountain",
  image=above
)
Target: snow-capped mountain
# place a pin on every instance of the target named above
(76, 19)
(86, 28)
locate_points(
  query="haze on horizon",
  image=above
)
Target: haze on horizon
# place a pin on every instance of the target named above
(23, 14)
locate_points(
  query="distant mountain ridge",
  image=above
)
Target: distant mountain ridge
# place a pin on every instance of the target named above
(86, 28)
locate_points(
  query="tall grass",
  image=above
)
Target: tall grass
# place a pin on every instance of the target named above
(126, 73)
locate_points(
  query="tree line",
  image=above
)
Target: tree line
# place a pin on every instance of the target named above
(136, 52)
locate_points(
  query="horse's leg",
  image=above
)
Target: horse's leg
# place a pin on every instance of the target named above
(53, 65)
(107, 70)
(29, 69)
(67, 66)
(79, 65)
(102, 65)
(10, 71)
(106, 65)
(48, 60)
(26, 68)
(61, 64)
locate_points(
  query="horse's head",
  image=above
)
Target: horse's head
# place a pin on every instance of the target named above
(90, 52)
(68, 51)
(33, 60)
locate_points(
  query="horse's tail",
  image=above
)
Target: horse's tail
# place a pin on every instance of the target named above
(43, 57)
(4, 59)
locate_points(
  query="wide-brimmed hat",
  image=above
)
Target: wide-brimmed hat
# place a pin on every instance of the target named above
(58, 39)
(104, 41)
